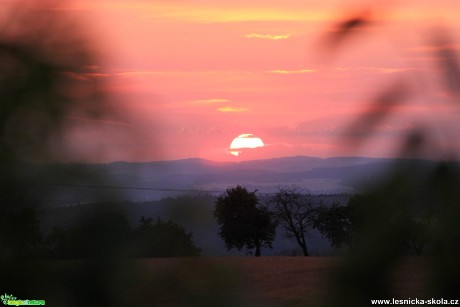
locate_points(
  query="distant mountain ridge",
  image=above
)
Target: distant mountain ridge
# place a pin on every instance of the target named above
(141, 181)
(282, 165)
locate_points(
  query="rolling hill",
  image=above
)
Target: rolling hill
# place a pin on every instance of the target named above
(64, 184)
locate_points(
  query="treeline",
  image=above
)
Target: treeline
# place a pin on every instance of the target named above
(246, 222)
(103, 233)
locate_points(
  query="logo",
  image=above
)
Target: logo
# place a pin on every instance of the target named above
(11, 300)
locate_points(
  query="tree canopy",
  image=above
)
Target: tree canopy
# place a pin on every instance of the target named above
(109, 232)
(243, 222)
(163, 239)
(335, 223)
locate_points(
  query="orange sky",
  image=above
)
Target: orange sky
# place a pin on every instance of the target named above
(193, 74)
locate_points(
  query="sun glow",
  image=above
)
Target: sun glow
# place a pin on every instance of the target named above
(243, 141)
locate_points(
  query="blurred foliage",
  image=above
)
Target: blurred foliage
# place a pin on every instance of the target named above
(410, 206)
(46, 77)
(405, 211)
(47, 80)
(20, 236)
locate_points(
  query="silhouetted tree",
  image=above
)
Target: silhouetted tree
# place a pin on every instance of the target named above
(341, 224)
(335, 223)
(417, 233)
(104, 233)
(20, 235)
(163, 239)
(295, 212)
(243, 222)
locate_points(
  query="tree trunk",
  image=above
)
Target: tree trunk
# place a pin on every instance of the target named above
(417, 248)
(303, 244)
(257, 254)
(304, 249)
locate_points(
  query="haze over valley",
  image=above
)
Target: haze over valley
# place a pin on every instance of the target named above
(70, 184)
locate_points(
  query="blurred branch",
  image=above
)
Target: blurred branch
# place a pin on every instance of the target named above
(46, 65)
(344, 30)
(448, 61)
(382, 106)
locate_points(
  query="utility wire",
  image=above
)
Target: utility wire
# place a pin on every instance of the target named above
(97, 186)
(116, 187)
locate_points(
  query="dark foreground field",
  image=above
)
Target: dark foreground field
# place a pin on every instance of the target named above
(265, 281)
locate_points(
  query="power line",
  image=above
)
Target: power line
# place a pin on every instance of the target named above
(97, 186)
(116, 187)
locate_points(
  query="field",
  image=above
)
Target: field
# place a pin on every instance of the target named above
(232, 281)
(266, 281)
(287, 281)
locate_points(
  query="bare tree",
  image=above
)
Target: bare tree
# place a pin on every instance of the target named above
(295, 212)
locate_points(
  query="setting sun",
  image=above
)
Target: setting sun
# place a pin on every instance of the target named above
(243, 141)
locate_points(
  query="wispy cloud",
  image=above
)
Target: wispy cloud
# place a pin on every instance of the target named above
(209, 101)
(287, 72)
(381, 70)
(268, 36)
(138, 73)
(435, 48)
(233, 109)
(205, 12)
(154, 73)
(147, 73)
(384, 70)
(239, 14)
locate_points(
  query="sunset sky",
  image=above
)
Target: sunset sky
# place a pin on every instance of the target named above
(190, 75)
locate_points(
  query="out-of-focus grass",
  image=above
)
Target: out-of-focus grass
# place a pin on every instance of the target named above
(411, 278)
(267, 281)
(286, 281)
